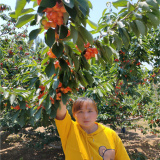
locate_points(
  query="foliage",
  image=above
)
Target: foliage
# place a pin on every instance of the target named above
(71, 63)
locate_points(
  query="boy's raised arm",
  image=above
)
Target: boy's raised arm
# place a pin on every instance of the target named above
(61, 111)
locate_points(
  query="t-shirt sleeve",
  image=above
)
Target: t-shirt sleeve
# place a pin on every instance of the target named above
(121, 153)
(63, 127)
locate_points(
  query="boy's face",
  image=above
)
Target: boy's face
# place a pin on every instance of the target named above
(86, 116)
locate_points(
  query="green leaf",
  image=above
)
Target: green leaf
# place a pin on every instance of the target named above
(63, 64)
(32, 111)
(22, 104)
(24, 11)
(37, 115)
(85, 63)
(158, 1)
(117, 41)
(71, 11)
(134, 28)
(45, 50)
(40, 10)
(19, 90)
(50, 69)
(21, 119)
(107, 54)
(12, 98)
(2, 89)
(63, 32)
(47, 3)
(15, 116)
(92, 24)
(153, 3)
(122, 10)
(141, 27)
(44, 61)
(35, 4)
(76, 62)
(57, 49)
(83, 6)
(130, 7)
(88, 77)
(64, 98)
(125, 37)
(55, 84)
(86, 34)
(99, 92)
(47, 103)
(69, 3)
(54, 110)
(20, 4)
(144, 6)
(120, 3)
(120, 24)
(24, 19)
(104, 11)
(114, 52)
(50, 37)
(80, 42)
(1, 98)
(82, 79)
(154, 20)
(34, 33)
(33, 81)
(74, 34)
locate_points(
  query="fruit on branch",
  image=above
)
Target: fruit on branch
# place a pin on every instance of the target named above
(51, 54)
(89, 51)
(54, 15)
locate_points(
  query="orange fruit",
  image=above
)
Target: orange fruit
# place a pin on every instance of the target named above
(44, 22)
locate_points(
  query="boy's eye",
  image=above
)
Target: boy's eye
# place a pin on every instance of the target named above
(90, 111)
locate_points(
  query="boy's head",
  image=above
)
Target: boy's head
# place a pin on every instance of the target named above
(77, 105)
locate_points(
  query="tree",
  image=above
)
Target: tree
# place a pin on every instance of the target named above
(72, 58)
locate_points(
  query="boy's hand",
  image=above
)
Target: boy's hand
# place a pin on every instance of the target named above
(61, 111)
(109, 154)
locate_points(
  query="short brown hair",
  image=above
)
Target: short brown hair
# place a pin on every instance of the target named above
(77, 105)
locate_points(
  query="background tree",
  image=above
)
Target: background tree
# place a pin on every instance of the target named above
(107, 68)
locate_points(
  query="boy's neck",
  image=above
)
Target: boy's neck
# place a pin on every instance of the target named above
(91, 130)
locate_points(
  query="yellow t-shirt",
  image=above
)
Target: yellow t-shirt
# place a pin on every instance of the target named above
(78, 145)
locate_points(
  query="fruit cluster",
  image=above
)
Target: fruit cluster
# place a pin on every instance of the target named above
(54, 15)
(89, 51)
(60, 89)
(17, 107)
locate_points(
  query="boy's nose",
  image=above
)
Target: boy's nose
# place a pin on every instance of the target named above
(85, 114)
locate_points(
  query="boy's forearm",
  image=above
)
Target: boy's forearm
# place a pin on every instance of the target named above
(61, 111)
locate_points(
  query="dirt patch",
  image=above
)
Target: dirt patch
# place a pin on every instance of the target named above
(138, 146)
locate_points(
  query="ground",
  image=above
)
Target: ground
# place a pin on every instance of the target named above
(139, 146)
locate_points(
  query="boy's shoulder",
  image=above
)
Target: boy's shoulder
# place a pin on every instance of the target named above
(106, 128)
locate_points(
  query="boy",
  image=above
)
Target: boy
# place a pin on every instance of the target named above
(84, 139)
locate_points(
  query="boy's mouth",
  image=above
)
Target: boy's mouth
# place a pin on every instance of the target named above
(85, 121)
